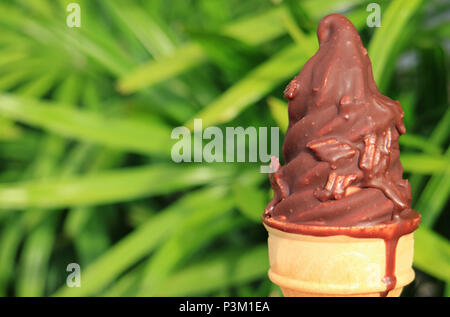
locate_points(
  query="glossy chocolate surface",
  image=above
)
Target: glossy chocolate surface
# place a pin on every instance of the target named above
(342, 172)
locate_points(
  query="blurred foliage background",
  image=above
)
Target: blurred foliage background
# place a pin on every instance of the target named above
(86, 116)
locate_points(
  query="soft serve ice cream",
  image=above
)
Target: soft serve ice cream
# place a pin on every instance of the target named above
(342, 173)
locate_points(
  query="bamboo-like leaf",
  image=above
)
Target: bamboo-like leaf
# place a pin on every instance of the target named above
(317, 9)
(418, 142)
(149, 32)
(438, 137)
(9, 130)
(93, 239)
(126, 285)
(260, 81)
(107, 187)
(434, 196)
(408, 101)
(190, 55)
(124, 134)
(442, 130)
(254, 30)
(250, 200)
(292, 25)
(235, 58)
(92, 46)
(181, 245)
(18, 73)
(223, 270)
(12, 79)
(255, 85)
(279, 111)
(184, 58)
(394, 20)
(38, 246)
(141, 241)
(34, 262)
(12, 56)
(10, 238)
(299, 15)
(69, 90)
(429, 245)
(41, 85)
(424, 163)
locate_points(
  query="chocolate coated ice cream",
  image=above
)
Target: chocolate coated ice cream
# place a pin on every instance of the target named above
(342, 173)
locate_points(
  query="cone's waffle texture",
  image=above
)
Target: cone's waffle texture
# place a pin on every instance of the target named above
(304, 265)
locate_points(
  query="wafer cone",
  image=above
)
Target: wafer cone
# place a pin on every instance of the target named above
(316, 266)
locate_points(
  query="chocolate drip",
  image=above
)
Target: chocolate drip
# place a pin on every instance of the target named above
(342, 173)
(389, 277)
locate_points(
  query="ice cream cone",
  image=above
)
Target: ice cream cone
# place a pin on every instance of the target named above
(316, 266)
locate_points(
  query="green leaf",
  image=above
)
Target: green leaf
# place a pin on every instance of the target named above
(434, 196)
(12, 79)
(142, 240)
(124, 134)
(253, 30)
(11, 56)
(259, 82)
(257, 29)
(394, 21)
(150, 33)
(107, 187)
(221, 270)
(424, 163)
(429, 245)
(301, 17)
(92, 45)
(441, 131)
(419, 142)
(180, 246)
(125, 285)
(232, 56)
(438, 137)
(10, 237)
(292, 26)
(184, 58)
(255, 85)
(40, 85)
(250, 200)
(408, 101)
(9, 130)
(35, 258)
(318, 9)
(279, 111)
(70, 89)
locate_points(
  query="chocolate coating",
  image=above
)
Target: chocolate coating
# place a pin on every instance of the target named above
(341, 148)
(343, 174)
